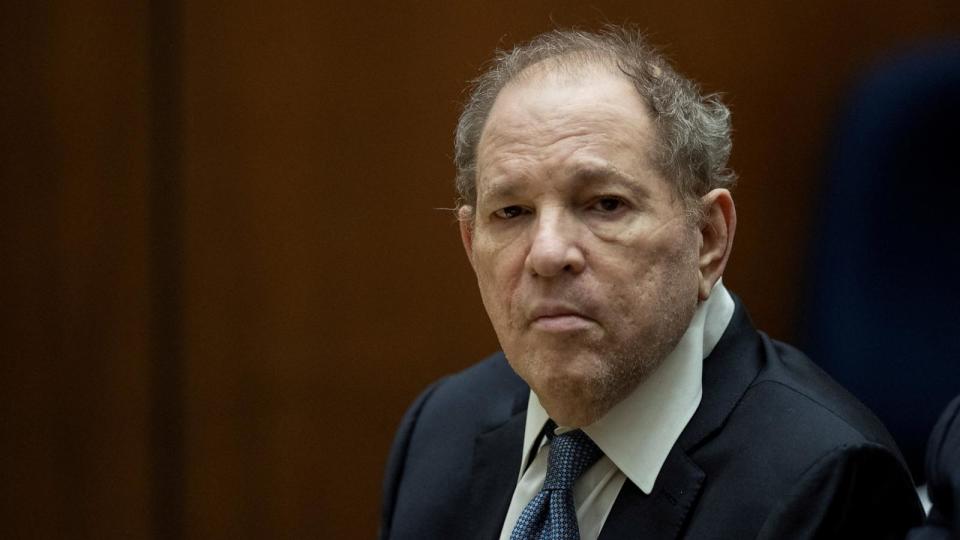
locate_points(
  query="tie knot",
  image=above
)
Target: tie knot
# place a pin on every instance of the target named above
(571, 454)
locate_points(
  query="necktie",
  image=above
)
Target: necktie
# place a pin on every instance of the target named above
(551, 514)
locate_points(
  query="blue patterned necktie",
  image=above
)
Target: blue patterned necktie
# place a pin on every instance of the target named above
(551, 514)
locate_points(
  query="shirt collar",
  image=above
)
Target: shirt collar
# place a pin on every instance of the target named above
(637, 433)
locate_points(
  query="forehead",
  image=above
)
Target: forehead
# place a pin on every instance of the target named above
(564, 118)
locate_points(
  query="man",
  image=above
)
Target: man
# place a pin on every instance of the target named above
(943, 478)
(633, 397)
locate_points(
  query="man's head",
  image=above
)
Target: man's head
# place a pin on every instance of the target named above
(594, 215)
(693, 143)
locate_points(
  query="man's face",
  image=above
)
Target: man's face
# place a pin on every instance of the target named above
(585, 258)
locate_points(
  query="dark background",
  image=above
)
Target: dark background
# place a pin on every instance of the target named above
(223, 271)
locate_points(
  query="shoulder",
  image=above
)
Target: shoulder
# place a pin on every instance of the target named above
(433, 448)
(777, 403)
(805, 404)
(789, 416)
(798, 451)
(485, 393)
(457, 407)
(793, 416)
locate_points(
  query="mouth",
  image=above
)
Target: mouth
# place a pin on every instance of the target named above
(559, 319)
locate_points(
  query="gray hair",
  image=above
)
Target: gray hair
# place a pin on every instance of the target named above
(694, 129)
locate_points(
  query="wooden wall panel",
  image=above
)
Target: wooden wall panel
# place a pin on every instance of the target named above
(242, 376)
(74, 388)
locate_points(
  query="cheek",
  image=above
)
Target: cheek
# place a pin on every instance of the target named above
(499, 269)
(653, 276)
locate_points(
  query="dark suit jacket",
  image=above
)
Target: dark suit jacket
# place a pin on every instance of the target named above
(943, 478)
(776, 450)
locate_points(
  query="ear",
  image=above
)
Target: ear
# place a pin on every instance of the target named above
(465, 217)
(716, 231)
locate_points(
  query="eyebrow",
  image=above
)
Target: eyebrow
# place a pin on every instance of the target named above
(505, 189)
(583, 174)
(608, 173)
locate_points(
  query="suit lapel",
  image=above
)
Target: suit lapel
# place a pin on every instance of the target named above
(493, 477)
(662, 514)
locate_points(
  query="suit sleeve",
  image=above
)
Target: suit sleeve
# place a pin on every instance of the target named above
(859, 491)
(397, 459)
(943, 478)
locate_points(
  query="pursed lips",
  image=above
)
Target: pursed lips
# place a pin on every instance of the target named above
(558, 317)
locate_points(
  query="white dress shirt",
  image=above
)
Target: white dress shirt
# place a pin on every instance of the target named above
(636, 434)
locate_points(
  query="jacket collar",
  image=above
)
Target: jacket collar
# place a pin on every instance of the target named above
(493, 475)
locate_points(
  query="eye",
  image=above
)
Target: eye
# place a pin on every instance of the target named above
(608, 204)
(510, 212)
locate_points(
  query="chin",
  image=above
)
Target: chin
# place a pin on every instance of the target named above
(577, 389)
(576, 418)
(574, 393)
(569, 412)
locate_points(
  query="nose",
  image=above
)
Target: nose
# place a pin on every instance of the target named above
(555, 247)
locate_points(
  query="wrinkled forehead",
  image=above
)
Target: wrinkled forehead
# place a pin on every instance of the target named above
(559, 83)
(545, 85)
(561, 72)
(548, 109)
